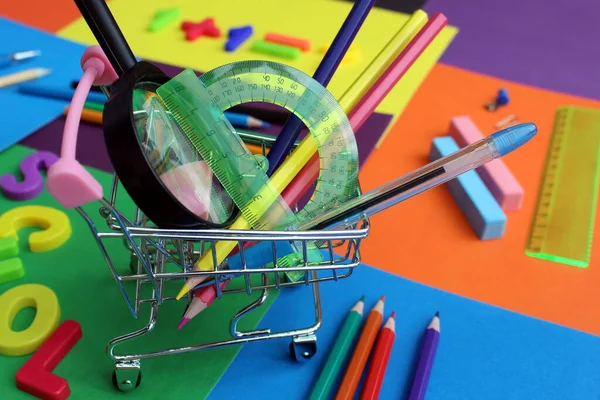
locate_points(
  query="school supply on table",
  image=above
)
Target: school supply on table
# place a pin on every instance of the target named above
(363, 98)
(440, 171)
(88, 115)
(90, 105)
(562, 226)
(92, 89)
(245, 121)
(167, 46)
(23, 76)
(426, 358)
(35, 376)
(302, 44)
(32, 183)
(275, 50)
(361, 352)
(54, 91)
(8, 60)
(472, 196)
(379, 360)
(337, 355)
(327, 67)
(238, 36)
(259, 198)
(497, 177)
(163, 18)
(194, 30)
(11, 266)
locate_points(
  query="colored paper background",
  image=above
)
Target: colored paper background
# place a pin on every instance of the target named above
(22, 113)
(432, 241)
(547, 44)
(79, 276)
(323, 17)
(484, 352)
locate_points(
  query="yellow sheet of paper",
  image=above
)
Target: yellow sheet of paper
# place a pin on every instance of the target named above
(316, 20)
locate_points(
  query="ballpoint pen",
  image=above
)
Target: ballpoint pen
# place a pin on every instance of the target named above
(15, 58)
(424, 178)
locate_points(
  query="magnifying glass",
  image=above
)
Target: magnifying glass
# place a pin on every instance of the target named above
(157, 165)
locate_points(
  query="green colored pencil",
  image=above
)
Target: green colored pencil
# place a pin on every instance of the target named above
(90, 105)
(338, 352)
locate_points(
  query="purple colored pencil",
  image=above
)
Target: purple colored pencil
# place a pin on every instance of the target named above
(430, 343)
(331, 60)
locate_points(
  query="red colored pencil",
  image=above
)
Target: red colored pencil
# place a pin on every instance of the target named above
(379, 360)
(365, 107)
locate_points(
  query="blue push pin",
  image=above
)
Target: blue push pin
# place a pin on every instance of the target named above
(502, 98)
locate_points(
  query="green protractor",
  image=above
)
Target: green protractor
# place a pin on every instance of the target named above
(198, 106)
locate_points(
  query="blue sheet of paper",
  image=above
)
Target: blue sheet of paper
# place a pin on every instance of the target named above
(23, 114)
(484, 352)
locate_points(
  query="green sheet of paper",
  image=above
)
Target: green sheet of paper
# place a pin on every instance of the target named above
(79, 276)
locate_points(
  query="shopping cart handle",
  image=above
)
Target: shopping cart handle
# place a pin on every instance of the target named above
(68, 181)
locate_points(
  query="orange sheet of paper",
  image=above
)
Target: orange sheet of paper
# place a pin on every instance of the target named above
(428, 239)
(49, 16)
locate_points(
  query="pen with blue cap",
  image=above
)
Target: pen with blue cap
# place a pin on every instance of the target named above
(429, 176)
(6, 60)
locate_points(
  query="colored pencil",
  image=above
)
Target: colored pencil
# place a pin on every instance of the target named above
(201, 300)
(92, 116)
(338, 353)
(91, 105)
(426, 358)
(361, 352)
(369, 102)
(57, 92)
(379, 360)
(245, 121)
(331, 60)
(23, 76)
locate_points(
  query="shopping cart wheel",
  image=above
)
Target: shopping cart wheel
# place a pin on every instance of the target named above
(127, 376)
(302, 348)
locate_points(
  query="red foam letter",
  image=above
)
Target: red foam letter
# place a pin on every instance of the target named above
(35, 376)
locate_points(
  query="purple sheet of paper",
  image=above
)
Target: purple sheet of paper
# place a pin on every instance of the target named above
(91, 150)
(548, 44)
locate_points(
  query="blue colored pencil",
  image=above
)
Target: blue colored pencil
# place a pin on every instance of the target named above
(245, 121)
(57, 92)
(290, 131)
(428, 350)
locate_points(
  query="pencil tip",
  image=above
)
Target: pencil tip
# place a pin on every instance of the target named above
(183, 292)
(393, 315)
(382, 298)
(362, 298)
(437, 314)
(183, 322)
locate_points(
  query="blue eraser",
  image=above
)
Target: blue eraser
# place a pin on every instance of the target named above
(474, 199)
(237, 37)
(245, 30)
(260, 254)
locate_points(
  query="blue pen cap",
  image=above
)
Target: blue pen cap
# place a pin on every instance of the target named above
(513, 137)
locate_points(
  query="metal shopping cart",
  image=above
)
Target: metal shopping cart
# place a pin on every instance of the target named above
(156, 251)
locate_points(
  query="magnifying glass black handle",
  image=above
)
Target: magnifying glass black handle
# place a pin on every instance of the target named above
(108, 34)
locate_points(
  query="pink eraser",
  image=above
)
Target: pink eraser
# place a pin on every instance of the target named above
(495, 174)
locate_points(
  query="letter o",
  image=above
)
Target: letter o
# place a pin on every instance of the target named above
(46, 320)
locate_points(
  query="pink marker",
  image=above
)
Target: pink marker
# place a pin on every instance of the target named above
(497, 177)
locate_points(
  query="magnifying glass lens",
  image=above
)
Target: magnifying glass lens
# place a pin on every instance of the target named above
(175, 161)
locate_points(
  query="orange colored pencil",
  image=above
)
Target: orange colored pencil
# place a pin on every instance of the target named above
(88, 115)
(379, 360)
(361, 352)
